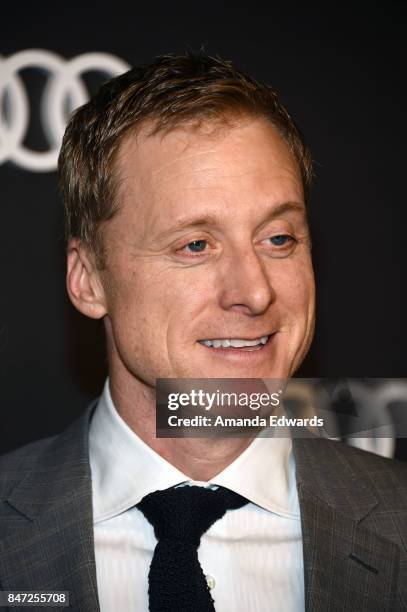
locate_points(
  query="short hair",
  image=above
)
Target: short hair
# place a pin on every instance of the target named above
(171, 91)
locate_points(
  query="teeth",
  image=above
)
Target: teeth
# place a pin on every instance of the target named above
(239, 343)
(234, 342)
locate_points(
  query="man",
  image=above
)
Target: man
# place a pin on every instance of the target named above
(184, 185)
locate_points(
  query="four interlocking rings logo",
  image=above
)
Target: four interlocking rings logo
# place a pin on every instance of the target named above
(64, 90)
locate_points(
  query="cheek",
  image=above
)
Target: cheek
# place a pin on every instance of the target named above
(158, 304)
(186, 299)
(295, 290)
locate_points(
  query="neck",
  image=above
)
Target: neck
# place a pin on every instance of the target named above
(198, 458)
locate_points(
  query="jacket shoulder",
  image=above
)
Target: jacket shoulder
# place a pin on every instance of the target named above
(370, 462)
(336, 466)
(386, 476)
(47, 457)
(15, 464)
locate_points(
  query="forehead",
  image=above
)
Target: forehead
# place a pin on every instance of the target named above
(208, 166)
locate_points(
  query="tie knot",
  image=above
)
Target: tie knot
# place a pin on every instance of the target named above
(185, 513)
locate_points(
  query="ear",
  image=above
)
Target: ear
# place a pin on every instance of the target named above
(83, 281)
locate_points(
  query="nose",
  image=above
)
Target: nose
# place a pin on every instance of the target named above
(246, 286)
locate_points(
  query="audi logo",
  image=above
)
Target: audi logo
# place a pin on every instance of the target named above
(64, 91)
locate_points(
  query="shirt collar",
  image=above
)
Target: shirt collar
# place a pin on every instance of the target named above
(125, 469)
(265, 474)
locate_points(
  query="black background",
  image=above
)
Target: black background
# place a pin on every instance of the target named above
(340, 70)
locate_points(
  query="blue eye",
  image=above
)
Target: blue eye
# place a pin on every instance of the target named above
(280, 240)
(197, 246)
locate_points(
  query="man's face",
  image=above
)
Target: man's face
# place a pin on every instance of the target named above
(210, 244)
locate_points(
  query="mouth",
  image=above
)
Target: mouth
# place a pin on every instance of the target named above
(237, 344)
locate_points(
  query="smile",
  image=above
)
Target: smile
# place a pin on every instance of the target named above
(235, 343)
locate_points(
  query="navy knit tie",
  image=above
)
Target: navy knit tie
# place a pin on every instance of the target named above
(180, 516)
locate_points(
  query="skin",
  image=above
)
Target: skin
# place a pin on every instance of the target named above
(193, 254)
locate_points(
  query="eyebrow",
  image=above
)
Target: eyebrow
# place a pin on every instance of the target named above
(209, 219)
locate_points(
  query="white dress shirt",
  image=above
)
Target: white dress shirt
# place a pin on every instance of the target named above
(252, 557)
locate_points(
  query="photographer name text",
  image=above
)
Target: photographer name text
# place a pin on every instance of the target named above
(246, 422)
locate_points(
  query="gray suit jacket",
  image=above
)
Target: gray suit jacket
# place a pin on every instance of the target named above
(353, 509)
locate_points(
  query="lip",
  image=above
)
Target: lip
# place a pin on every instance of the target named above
(238, 355)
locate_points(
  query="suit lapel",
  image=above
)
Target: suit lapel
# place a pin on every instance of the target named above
(47, 525)
(346, 565)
